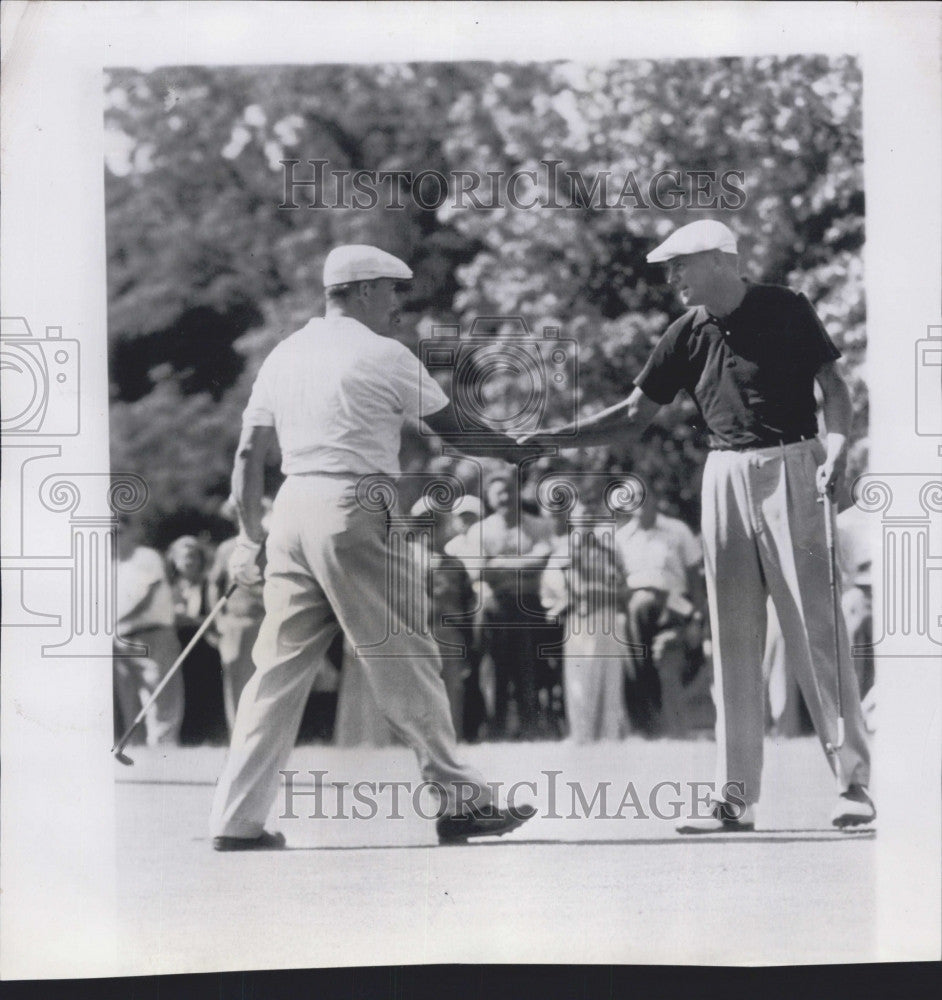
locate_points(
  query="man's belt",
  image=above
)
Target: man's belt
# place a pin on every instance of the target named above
(778, 442)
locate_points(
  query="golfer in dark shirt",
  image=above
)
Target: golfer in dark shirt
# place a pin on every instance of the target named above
(749, 356)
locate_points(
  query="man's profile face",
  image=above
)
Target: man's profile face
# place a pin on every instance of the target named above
(380, 300)
(691, 276)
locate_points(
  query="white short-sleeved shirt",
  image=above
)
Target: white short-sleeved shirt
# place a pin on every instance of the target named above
(658, 557)
(136, 575)
(337, 395)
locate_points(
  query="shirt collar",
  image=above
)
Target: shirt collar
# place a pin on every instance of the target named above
(725, 323)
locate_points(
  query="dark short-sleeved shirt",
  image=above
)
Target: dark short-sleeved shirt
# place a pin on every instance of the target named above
(750, 373)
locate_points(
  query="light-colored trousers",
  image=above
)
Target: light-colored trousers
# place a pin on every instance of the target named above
(593, 683)
(358, 720)
(136, 678)
(764, 535)
(237, 636)
(330, 567)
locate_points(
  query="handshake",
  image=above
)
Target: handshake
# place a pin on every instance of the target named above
(541, 439)
(507, 447)
(623, 423)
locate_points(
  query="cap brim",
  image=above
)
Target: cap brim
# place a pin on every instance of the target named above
(660, 256)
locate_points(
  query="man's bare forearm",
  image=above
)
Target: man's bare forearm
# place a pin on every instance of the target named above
(248, 480)
(481, 443)
(622, 423)
(838, 411)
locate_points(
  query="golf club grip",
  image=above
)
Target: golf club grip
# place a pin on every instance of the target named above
(829, 533)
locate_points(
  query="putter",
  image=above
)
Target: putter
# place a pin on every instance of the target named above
(118, 748)
(835, 615)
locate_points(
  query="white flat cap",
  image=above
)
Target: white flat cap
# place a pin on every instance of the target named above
(707, 234)
(359, 262)
(468, 505)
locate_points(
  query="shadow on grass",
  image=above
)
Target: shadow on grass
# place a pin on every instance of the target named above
(811, 836)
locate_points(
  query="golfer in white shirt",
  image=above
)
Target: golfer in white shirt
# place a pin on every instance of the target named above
(335, 395)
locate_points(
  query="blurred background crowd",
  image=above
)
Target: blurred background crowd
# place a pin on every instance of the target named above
(586, 622)
(207, 272)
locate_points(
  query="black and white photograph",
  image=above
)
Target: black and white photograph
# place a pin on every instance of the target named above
(472, 486)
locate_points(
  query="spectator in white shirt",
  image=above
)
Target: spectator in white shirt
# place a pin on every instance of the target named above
(145, 618)
(662, 559)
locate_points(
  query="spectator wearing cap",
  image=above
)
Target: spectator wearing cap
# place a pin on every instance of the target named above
(334, 397)
(751, 356)
(145, 618)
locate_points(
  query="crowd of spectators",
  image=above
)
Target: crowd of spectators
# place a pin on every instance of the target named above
(588, 623)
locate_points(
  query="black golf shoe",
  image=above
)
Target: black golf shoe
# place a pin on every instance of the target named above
(264, 842)
(723, 818)
(486, 822)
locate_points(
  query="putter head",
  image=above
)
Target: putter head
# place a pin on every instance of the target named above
(123, 757)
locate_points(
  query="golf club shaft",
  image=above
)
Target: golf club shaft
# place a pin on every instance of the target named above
(220, 604)
(829, 529)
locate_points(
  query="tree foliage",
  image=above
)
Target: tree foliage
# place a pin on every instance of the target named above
(206, 273)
